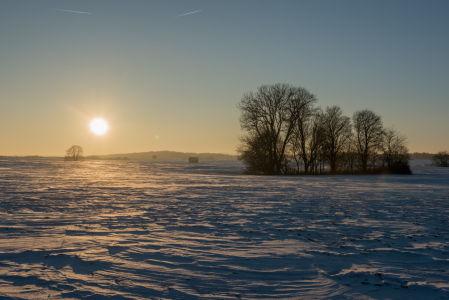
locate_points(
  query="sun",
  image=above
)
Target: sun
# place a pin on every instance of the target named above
(99, 126)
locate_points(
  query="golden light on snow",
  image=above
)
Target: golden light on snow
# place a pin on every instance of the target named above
(99, 126)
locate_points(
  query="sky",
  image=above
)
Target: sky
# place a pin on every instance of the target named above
(167, 75)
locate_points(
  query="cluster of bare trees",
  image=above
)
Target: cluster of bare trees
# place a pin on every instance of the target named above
(287, 134)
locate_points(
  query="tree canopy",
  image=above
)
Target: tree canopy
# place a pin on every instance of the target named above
(269, 116)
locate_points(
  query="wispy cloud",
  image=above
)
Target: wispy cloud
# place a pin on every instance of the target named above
(193, 12)
(73, 11)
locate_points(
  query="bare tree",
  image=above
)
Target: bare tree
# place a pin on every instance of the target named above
(74, 153)
(368, 134)
(395, 152)
(349, 159)
(307, 139)
(337, 132)
(269, 116)
(441, 159)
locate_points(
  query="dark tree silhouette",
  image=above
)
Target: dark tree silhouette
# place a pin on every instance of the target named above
(307, 140)
(269, 116)
(337, 132)
(395, 153)
(286, 134)
(74, 153)
(368, 134)
(441, 159)
(254, 151)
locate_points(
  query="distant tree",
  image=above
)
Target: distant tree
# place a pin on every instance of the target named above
(368, 135)
(395, 154)
(441, 159)
(337, 133)
(74, 153)
(269, 116)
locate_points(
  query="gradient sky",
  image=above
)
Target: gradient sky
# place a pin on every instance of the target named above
(172, 83)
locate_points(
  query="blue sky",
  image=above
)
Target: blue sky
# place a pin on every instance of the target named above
(167, 83)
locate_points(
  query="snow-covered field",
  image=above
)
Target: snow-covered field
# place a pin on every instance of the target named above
(173, 230)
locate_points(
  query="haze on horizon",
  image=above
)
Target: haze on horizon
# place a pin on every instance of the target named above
(165, 78)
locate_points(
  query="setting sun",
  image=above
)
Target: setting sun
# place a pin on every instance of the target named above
(99, 126)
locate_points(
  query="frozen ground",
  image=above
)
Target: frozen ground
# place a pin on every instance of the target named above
(138, 230)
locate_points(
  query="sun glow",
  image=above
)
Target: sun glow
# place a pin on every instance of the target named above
(99, 126)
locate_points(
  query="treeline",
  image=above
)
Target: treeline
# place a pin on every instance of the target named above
(96, 157)
(168, 155)
(423, 155)
(287, 134)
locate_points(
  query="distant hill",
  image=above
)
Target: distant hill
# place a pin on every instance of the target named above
(162, 155)
(423, 155)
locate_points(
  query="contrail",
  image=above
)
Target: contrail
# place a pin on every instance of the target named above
(73, 11)
(193, 12)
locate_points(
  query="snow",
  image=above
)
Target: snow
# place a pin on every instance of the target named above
(173, 230)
